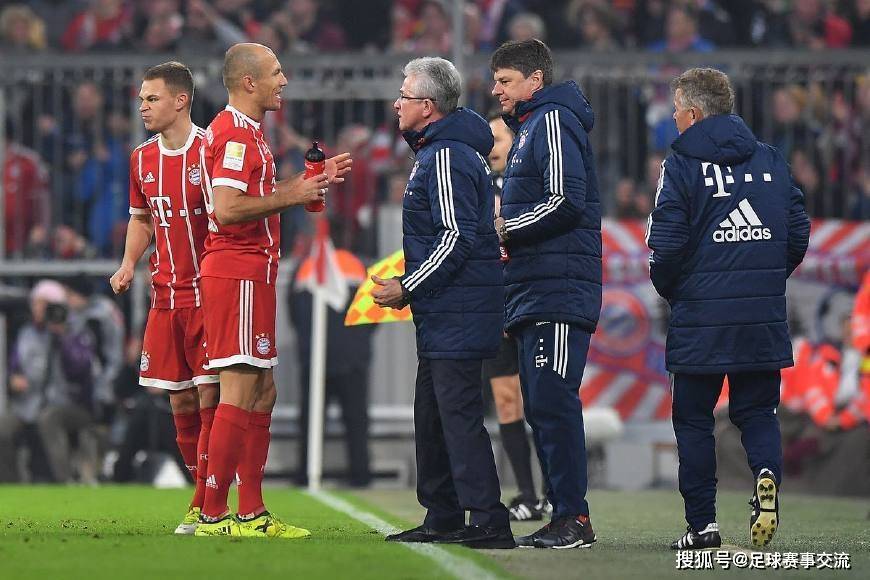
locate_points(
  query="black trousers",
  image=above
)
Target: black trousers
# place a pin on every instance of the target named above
(455, 465)
(752, 401)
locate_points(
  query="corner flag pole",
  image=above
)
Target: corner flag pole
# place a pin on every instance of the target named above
(317, 381)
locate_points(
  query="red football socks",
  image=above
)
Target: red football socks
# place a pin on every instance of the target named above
(253, 464)
(186, 435)
(225, 448)
(206, 419)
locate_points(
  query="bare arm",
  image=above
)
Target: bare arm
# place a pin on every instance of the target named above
(140, 229)
(232, 205)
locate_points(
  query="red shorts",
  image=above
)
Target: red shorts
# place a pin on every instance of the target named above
(239, 322)
(173, 350)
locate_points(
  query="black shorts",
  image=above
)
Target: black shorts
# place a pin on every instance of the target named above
(506, 362)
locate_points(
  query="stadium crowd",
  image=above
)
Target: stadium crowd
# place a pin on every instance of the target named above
(299, 26)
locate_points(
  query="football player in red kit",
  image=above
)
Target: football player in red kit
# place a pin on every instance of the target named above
(239, 270)
(166, 204)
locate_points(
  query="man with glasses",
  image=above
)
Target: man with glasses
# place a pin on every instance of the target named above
(453, 282)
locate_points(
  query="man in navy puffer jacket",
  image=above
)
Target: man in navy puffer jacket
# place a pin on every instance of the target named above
(453, 282)
(550, 224)
(728, 229)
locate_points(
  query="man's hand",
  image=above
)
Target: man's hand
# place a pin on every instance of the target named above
(298, 191)
(389, 293)
(338, 166)
(499, 229)
(121, 280)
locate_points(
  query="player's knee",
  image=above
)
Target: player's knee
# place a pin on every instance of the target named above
(266, 396)
(209, 395)
(184, 402)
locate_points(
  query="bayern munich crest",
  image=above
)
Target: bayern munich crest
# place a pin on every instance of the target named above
(193, 174)
(263, 344)
(144, 362)
(522, 140)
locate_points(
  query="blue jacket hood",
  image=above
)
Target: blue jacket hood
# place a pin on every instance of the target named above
(722, 139)
(462, 125)
(566, 94)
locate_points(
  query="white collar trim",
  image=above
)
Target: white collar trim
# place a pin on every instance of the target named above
(194, 130)
(232, 109)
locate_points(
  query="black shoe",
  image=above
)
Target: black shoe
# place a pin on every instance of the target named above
(692, 540)
(764, 518)
(422, 534)
(522, 509)
(481, 537)
(565, 533)
(529, 540)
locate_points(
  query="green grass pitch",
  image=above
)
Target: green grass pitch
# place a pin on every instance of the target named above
(126, 532)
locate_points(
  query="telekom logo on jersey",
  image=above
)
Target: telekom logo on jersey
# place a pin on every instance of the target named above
(163, 206)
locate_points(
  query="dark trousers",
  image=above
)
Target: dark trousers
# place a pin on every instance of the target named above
(455, 465)
(352, 391)
(752, 401)
(552, 360)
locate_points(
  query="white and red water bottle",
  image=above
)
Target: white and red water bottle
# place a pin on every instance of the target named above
(315, 164)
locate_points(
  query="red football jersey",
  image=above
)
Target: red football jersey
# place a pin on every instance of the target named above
(234, 153)
(166, 184)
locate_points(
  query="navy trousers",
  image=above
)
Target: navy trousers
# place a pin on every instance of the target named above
(752, 401)
(552, 358)
(455, 465)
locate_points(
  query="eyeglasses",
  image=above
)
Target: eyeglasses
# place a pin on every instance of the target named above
(407, 98)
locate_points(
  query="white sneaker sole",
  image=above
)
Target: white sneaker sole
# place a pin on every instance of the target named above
(185, 529)
(762, 531)
(577, 544)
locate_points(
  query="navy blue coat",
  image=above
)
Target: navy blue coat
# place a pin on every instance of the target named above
(728, 229)
(452, 267)
(552, 214)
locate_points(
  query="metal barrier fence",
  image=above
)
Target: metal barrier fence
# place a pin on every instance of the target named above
(70, 122)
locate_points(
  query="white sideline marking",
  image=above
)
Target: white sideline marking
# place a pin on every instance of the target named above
(454, 565)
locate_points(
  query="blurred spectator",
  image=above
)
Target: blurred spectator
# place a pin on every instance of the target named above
(714, 22)
(649, 22)
(807, 175)
(495, 18)
(681, 32)
(207, 30)
(353, 202)
(100, 316)
(812, 25)
(526, 26)
(98, 163)
(348, 358)
(593, 25)
(314, 28)
(843, 141)
(624, 196)
(50, 386)
(21, 30)
(104, 25)
(159, 25)
(861, 23)
(790, 129)
(768, 24)
(433, 30)
(26, 195)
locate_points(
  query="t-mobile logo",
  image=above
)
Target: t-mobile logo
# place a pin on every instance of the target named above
(162, 205)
